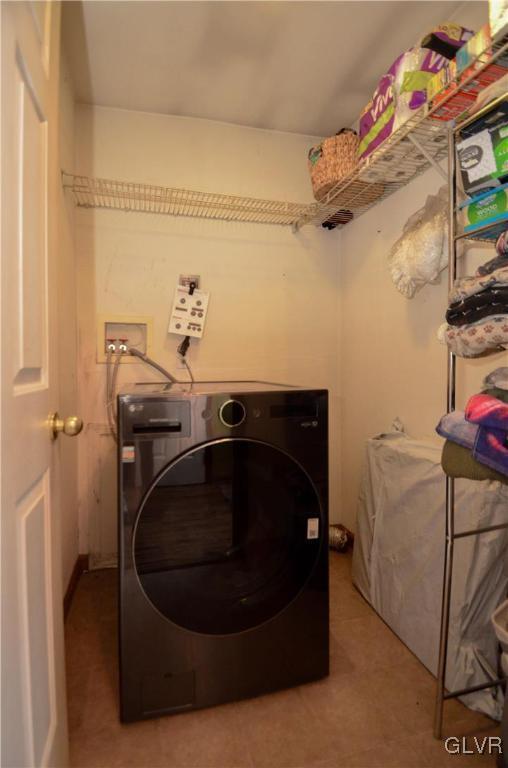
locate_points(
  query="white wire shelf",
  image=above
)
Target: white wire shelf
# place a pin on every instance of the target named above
(149, 198)
(412, 149)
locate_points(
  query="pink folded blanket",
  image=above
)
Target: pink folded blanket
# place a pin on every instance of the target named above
(487, 411)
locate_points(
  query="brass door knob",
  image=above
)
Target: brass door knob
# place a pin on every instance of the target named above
(70, 426)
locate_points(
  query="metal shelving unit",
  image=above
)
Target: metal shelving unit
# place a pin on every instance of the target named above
(451, 535)
(418, 144)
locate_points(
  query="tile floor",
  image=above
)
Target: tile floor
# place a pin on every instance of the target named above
(375, 709)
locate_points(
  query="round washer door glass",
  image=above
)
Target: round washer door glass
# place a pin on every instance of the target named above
(227, 537)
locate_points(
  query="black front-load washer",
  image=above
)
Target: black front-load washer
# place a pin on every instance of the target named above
(223, 500)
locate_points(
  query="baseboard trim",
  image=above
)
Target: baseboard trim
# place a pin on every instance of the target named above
(80, 566)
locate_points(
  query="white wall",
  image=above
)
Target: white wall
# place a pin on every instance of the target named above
(274, 311)
(67, 335)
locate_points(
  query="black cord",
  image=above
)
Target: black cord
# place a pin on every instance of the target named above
(183, 346)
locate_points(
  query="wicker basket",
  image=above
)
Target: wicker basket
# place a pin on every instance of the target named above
(332, 160)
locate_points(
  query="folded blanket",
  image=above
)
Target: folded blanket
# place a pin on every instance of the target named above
(491, 448)
(487, 445)
(501, 258)
(498, 379)
(501, 394)
(488, 335)
(490, 301)
(453, 426)
(488, 412)
(490, 266)
(458, 462)
(468, 286)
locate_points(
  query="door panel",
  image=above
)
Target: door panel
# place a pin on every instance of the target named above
(37, 613)
(32, 232)
(34, 725)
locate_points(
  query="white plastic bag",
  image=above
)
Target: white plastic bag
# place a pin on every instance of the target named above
(421, 253)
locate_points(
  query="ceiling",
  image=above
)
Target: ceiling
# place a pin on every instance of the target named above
(304, 67)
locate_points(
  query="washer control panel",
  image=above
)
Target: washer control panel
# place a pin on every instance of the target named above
(232, 413)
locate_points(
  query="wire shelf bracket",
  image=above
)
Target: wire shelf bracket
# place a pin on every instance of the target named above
(432, 160)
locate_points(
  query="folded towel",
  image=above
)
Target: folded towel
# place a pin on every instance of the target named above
(490, 301)
(487, 445)
(459, 462)
(491, 448)
(488, 335)
(468, 286)
(487, 411)
(501, 394)
(454, 427)
(490, 266)
(497, 378)
(501, 258)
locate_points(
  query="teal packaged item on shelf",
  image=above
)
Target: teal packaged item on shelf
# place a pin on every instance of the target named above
(483, 158)
(490, 208)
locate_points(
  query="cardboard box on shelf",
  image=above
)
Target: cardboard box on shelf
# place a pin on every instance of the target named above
(483, 157)
(486, 209)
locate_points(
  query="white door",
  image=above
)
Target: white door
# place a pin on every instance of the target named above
(34, 727)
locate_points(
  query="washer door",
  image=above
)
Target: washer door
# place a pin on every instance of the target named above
(227, 536)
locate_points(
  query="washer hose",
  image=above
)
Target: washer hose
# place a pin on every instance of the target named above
(149, 361)
(110, 392)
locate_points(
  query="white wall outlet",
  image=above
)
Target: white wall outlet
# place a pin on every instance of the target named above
(129, 334)
(189, 312)
(131, 330)
(186, 280)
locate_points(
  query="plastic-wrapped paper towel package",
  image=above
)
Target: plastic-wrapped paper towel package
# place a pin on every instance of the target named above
(421, 252)
(399, 554)
(403, 89)
(399, 93)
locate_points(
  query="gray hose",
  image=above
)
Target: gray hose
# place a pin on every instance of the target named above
(111, 397)
(109, 410)
(188, 369)
(149, 361)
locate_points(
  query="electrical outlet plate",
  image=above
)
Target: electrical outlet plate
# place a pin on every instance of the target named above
(188, 315)
(137, 329)
(186, 280)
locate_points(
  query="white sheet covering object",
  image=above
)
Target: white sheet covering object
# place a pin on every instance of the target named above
(421, 252)
(398, 560)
